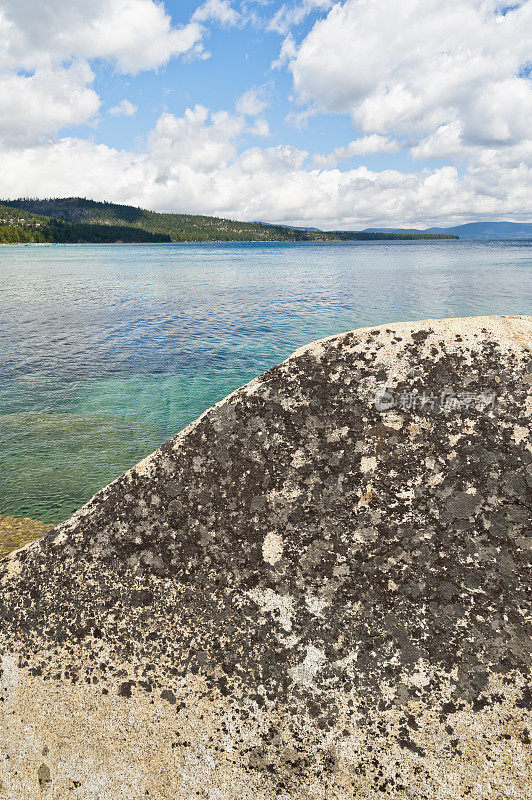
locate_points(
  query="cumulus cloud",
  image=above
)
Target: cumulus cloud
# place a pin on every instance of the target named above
(252, 103)
(300, 119)
(196, 163)
(449, 80)
(279, 159)
(200, 140)
(72, 167)
(287, 53)
(366, 145)
(125, 108)
(218, 11)
(133, 34)
(45, 50)
(446, 81)
(38, 105)
(260, 127)
(407, 69)
(291, 14)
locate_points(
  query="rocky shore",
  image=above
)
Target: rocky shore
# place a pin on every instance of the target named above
(316, 591)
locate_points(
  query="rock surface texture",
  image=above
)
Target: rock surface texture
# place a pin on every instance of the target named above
(317, 590)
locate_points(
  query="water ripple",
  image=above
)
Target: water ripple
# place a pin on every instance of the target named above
(107, 351)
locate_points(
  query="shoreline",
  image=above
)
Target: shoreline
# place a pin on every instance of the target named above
(253, 241)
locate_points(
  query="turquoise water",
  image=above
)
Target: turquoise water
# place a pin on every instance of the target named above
(109, 350)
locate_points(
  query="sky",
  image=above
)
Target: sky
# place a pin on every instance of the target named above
(339, 115)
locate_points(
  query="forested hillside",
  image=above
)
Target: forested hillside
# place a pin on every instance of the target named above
(75, 219)
(21, 226)
(176, 227)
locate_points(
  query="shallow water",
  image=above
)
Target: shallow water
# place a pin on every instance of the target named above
(109, 350)
(15, 532)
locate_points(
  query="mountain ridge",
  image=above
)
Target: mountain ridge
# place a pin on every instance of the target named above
(472, 230)
(76, 219)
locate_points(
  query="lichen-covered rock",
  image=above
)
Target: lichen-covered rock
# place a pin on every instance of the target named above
(317, 590)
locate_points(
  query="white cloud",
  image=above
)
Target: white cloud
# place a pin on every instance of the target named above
(441, 78)
(252, 103)
(45, 48)
(445, 78)
(260, 127)
(41, 104)
(217, 11)
(500, 114)
(300, 119)
(195, 163)
(200, 140)
(445, 142)
(366, 145)
(287, 53)
(70, 167)
(293, 14)
(278, 159)
(405, 69)
(134, 34)
(124, 108)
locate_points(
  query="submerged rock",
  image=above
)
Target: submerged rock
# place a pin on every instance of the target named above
(16, 532)
(317, 590)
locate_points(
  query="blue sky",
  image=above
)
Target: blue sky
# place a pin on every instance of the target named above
(241, 57)
(336, 114)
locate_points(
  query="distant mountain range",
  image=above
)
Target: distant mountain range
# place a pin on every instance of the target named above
(473, 230)
(78, 220)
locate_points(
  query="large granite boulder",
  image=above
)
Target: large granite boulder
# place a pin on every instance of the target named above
(317, 590)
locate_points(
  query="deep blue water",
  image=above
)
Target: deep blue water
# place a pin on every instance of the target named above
(109, 350)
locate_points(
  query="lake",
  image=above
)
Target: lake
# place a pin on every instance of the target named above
(107, 351)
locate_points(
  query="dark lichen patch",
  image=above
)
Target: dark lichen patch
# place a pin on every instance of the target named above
(126, 689)
(44, 777)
